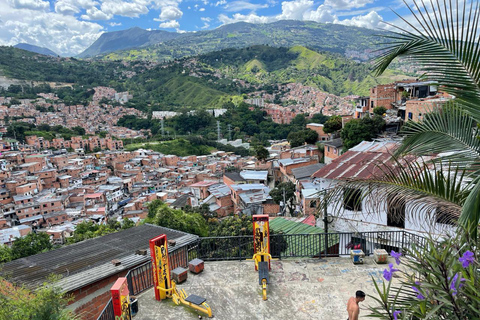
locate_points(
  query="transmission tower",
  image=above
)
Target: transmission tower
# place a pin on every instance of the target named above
(230, 132)
(219, 132)
(162, 123)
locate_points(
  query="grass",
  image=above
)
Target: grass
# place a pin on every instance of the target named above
(179, 147)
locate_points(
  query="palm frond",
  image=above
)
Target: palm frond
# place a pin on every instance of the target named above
(449, 131)
(425, 187)
(445, 45)
(470, 216)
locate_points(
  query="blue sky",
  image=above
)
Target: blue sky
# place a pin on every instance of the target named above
(70, 26)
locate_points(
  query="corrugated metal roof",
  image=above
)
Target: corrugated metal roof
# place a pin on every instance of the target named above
(363, 163)
(83, 256)
(300, 242)
(306, 171)
(254, 175)
(292, 227)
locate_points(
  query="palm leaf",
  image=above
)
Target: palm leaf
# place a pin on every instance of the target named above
(444, 45)
(450, 131)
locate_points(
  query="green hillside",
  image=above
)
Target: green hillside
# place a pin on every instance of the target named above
(346, 40)
(265, 65)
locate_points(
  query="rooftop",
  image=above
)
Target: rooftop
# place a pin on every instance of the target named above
(298, 289)
(88, 261)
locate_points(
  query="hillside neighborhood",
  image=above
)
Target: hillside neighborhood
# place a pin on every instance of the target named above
(239, 160)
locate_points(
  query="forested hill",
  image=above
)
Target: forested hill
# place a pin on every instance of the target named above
(205, 81)
(36, 49)
(353, 42)
(25, 65)
(265, 65)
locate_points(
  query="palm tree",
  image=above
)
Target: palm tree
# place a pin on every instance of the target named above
(444, 39)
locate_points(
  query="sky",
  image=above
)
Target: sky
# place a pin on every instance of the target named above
(70, 26)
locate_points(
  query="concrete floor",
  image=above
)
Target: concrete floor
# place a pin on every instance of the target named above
(298, 289)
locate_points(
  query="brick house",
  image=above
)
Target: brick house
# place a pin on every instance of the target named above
(333, 150)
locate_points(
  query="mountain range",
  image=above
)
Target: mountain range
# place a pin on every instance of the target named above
(139, 44)
(36, 49)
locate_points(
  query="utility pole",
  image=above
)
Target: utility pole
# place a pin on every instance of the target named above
(325, 220)
(284, 203)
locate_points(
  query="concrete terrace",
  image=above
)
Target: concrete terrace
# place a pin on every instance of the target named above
(298, 289)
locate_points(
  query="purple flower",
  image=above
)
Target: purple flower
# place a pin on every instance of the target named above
(387, 274)
(396, 256)
(420, 296)
(467, 259)
(453, 284)
(396, 313)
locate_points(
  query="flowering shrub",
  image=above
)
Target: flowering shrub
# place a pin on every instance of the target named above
(440, 281)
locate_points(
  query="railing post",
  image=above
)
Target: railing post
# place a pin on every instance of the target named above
(129, 281)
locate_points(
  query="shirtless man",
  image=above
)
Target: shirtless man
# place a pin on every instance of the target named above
(352, 305)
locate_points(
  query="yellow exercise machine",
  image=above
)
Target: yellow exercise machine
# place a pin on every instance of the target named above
(167, 288)
(261, 251)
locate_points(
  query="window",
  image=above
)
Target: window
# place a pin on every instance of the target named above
(352, 199)
(445, 216)
(410, 116)
(313, 204)
(396, 211)
(328, 149)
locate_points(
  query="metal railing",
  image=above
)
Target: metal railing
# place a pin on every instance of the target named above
(319, 245)
(107, 312)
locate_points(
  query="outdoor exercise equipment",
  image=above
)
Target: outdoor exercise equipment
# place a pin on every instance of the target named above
(261, 250)
(165, 287)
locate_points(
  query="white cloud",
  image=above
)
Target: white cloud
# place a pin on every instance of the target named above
(201, 9)
(220, 3)
(322, 14)
(205, 25)
(325, 13)
(63, 34)
(371, 20)
(95, 14)
(126, 9)
(347, 4)
(206, 19)
(30, 4)
(71, 7)
(294, 10)
(251, 18)
(115, 24)
(170, 13)
(241, 5)
(170, 24)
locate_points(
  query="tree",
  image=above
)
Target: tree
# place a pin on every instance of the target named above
(261, 153)
(31, 244)
(358, 130)
(46, 302)
(379, 110)
(179, 220)
(333, 124)
(298, 138)
(127, 223)
(231, 226)
(285, 191)
(319, 118)
(6, 254)
(79, 130)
